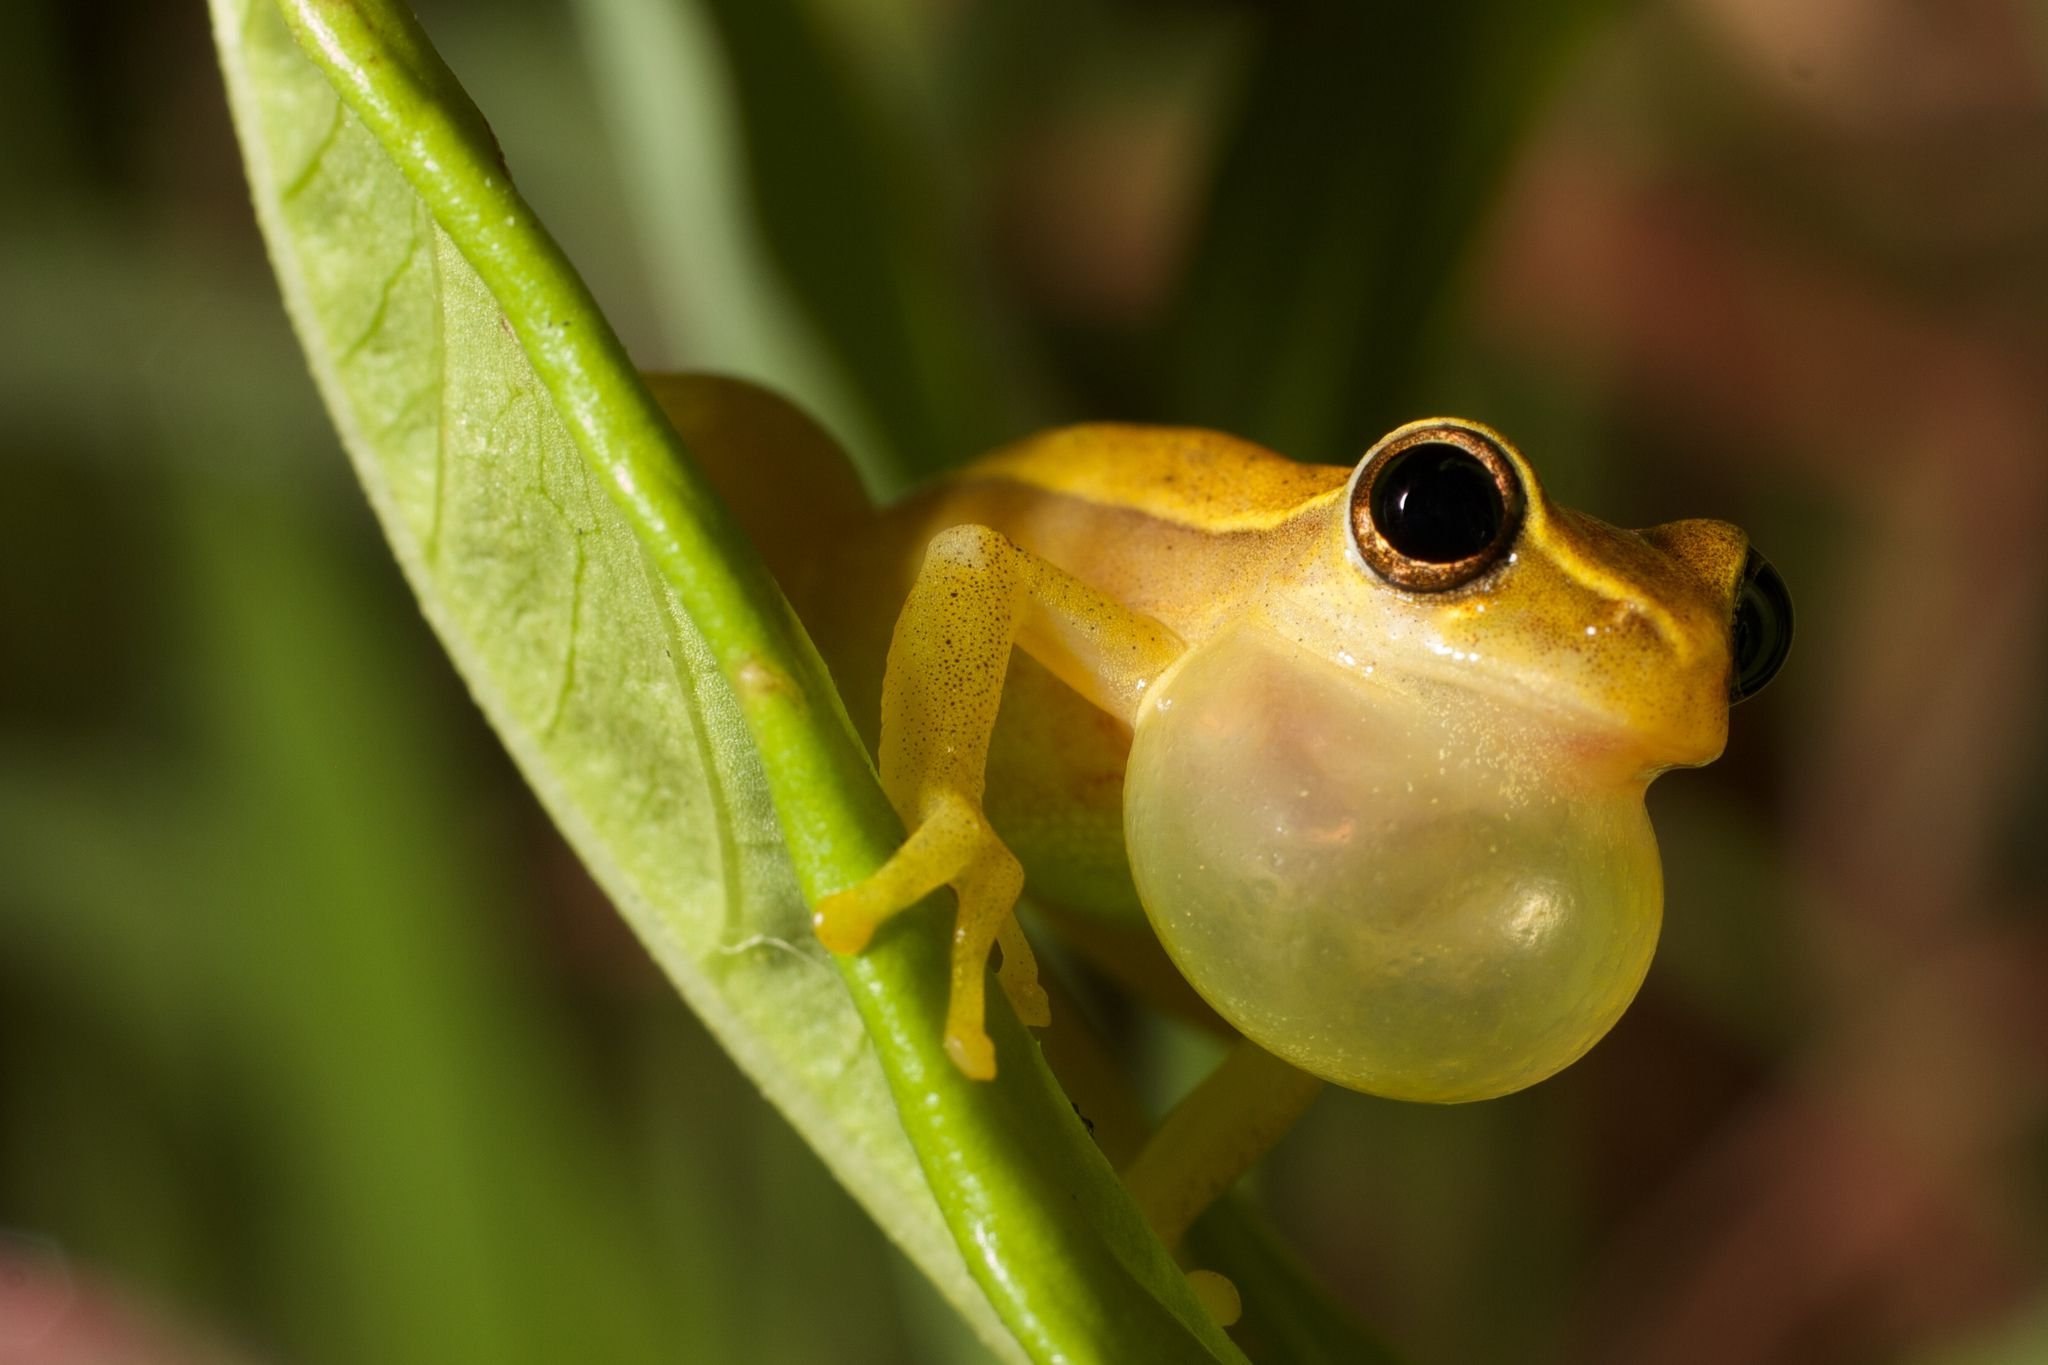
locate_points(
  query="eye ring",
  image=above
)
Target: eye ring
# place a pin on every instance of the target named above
(1434, 505)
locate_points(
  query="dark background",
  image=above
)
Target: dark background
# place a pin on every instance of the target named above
(315, 1043)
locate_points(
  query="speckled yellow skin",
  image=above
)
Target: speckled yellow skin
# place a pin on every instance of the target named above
(1395, 838)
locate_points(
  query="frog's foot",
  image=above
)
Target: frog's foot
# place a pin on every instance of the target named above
(1218, 1296)
(939, 850)
(952, 846)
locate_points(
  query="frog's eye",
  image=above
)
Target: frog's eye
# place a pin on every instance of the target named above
(1761, 635)
(1434, 505)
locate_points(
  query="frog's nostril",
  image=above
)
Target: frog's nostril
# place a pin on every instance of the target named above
(1761, 632)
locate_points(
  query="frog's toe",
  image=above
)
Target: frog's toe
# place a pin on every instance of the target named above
(1218, 1295)
(935, 853)
(1027, 998)
(972, 1052)
(1018, 976)
(846, 920)
(988, 894)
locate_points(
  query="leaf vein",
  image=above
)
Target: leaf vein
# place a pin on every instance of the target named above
(385, 293)
(307, 173)
(439, 390)
(568, 682)
(732, 881)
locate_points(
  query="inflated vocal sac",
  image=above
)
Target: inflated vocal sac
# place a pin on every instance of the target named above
(1405, 886)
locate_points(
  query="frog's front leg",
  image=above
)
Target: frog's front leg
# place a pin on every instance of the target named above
(975, 597)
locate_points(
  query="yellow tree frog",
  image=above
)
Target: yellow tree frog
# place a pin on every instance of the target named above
(1365, 746)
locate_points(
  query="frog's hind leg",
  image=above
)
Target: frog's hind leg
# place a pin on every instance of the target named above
(1216, 1134)
(976, 596)
(791, 487)
(1219, 1131)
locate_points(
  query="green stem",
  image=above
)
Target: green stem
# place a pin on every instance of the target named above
(1044, 1226)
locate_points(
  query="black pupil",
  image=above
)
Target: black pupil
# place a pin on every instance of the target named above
(1437, 503)
(1762, 634)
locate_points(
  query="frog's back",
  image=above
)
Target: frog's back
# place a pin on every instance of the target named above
(1182, 476)
(1173, 522)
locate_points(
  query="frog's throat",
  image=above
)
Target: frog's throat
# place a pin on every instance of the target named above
(1601, 742)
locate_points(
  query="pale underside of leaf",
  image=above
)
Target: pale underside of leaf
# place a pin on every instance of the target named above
(596, 681)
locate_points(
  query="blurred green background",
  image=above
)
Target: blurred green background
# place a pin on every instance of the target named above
(315, 1043)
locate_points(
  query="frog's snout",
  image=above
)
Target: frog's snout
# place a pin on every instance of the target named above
(1748, 594)
(1710, 551)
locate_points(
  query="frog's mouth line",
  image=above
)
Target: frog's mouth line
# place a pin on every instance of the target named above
(1586, 736)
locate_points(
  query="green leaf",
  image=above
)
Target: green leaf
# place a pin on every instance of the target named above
(675, 122)
(862, 229)
(1370, 140)
(649, 680)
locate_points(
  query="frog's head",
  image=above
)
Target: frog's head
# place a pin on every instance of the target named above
(1392, 826)
(1639, 640)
